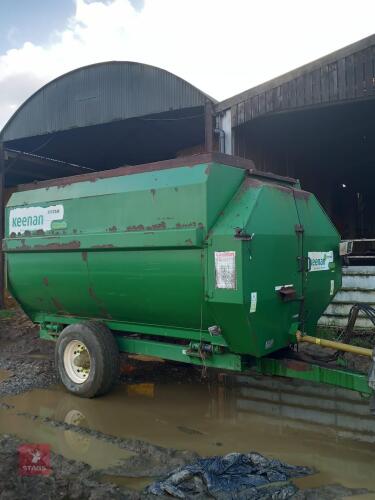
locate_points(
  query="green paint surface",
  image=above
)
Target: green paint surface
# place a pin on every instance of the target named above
(138, 253)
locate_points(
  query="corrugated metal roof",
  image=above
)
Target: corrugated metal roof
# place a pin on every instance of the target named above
(99, 94)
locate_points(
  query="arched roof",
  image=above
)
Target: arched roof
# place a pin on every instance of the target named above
(103, 116)
(98, 94)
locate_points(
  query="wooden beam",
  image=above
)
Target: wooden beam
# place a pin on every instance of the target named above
(334, 57)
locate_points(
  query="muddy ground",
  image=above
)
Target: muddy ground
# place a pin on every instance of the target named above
(29, 364)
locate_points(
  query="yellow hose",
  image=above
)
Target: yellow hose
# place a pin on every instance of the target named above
(362, 351)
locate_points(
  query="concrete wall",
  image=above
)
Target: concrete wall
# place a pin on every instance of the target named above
(358, 285)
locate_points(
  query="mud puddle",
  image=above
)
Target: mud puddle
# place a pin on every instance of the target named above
(4, 374)
(131, 483)
(303, 424)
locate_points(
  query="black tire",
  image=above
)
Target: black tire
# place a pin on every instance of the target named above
(104, 358)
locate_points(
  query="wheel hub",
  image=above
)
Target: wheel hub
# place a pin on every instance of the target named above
(77, 361)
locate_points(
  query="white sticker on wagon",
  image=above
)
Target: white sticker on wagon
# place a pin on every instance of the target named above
(320, 261)
(225, 270)
(34, 218)
(253, 302)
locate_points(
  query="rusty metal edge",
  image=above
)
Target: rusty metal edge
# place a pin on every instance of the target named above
(188, 161)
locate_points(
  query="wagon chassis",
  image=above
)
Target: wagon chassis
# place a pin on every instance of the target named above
(211, 351)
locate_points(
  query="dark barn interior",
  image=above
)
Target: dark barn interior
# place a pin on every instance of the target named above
(330, 149)
(105, 146)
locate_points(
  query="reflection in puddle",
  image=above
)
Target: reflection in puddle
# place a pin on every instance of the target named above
(303, 424)
(72, 445)
(344, 413)
(147, 390)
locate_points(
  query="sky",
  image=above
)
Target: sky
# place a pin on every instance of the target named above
(221, 46)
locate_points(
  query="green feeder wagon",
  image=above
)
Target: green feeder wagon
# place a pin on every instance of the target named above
(202, 260)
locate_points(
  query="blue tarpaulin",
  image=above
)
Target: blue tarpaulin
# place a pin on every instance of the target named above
(236, 475)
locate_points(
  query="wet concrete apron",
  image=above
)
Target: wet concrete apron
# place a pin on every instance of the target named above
(162, 415)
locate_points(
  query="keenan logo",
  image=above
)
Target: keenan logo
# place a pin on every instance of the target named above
(320, 261)
(28, 222)
(34, 218)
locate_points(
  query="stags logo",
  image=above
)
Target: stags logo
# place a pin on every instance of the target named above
(34, 459)
(34, 218)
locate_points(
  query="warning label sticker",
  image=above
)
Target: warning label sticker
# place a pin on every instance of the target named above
(225, 270)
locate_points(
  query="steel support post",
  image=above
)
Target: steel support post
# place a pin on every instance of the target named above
(209, 126)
